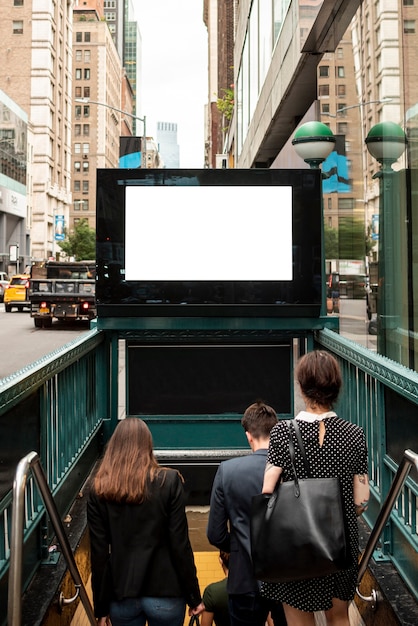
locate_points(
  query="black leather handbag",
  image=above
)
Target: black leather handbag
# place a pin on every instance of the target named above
(194, 620)
(299, 531)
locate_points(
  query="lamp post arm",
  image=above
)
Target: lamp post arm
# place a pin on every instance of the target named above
(135, 117)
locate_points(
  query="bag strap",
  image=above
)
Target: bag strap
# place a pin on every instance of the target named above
(292, 424)
(292, 459)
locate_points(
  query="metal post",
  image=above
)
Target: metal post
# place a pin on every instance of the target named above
(409, 458)
(32, 461)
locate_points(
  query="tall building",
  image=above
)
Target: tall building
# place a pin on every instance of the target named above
(219, 20)
(36, 71)
(14, 204)
(167, 144)
(98, 120)
(120, 17)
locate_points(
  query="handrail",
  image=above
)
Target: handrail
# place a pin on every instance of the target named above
(409, 458)
(14, 606)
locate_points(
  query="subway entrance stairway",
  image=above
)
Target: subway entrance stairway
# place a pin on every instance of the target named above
(70, 433)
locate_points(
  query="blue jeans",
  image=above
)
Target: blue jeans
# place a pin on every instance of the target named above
(155, 611)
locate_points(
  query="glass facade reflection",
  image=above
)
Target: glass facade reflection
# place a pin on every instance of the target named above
(364, 76)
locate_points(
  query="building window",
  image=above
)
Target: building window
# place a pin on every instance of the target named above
(77, 166)
(78, 73)
(87, 56)
(346, 204)
(324, 71)
(340, 53)
(79, 37)
(78, 92)
(77, 130)
(325, 108)
(85, 166)
(409, 27)
(340, 90)
(78, 55)
(18, 3)
(86, 111)
(340, 71)
(342, 128)
(77, 111)
(77, 148)
(86, 130)
(17, 27)
(342, 109)
(86, 148)
(87, 73)
(323, 90)
(406, 3)
(77, 185)
(86, 92)
(85, 186)
(85, 205)
(77, 205)
(87, 37)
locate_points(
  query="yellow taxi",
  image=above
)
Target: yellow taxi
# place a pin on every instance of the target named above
(16, 293)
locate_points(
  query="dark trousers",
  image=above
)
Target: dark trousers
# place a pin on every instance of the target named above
(252, 610)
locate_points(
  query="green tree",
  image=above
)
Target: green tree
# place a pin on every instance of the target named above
(81, 242)
(331, 242)
(354, 242)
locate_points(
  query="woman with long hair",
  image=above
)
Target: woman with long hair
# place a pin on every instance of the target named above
(143, 568)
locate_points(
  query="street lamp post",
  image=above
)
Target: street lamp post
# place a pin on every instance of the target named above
(386, 142)
(135, 117)
(313, 142)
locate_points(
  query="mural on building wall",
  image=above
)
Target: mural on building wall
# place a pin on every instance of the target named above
(335, 169)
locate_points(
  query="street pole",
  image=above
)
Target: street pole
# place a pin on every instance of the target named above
(135, 117)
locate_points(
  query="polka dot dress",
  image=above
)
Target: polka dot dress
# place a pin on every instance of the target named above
(343, 453)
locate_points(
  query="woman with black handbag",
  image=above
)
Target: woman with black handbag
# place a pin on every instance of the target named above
(333, 447)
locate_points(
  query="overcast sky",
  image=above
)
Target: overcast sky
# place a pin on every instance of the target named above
(174, 71)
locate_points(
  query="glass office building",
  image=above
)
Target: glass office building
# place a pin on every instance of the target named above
(352, 68)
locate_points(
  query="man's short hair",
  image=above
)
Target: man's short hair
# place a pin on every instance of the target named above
(258, 420)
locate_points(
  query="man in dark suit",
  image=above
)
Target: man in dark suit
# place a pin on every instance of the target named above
(236, 482)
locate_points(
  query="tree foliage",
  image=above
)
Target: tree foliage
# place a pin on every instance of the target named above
(353, 240)
(226, 104)
(81, 242)
(331, 242)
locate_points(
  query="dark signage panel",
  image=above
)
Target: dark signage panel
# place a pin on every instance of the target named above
(208, 242)
(207, 379)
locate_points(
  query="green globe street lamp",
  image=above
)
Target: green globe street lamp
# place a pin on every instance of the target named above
(386, 142)
(313, 142)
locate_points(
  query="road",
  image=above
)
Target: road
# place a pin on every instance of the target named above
(354, 323)
(21, 343)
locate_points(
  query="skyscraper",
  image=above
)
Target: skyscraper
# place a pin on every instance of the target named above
(167, 143)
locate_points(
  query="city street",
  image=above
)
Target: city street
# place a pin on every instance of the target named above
(354, 323)
(22, 343)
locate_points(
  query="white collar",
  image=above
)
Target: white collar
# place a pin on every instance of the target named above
(304, 416)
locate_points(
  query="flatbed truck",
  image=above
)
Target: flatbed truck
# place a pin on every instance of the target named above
(62, 290)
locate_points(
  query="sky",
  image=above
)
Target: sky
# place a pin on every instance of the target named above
(174, 71)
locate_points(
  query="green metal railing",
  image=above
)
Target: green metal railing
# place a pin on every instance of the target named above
(382, 396)
(65, 404)
(55, 406)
